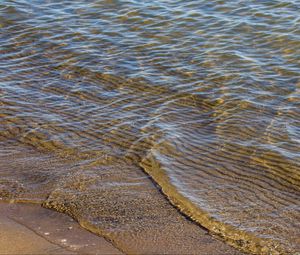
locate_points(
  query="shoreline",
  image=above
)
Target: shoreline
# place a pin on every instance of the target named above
(32, 229)
(132, 214)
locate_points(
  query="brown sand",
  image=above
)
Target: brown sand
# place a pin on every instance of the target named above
(137, 218)
(31, 229)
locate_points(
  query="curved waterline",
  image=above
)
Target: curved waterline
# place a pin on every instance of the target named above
(203, 96)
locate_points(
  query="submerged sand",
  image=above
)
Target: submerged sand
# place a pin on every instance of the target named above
(134, 219)
(124, 206)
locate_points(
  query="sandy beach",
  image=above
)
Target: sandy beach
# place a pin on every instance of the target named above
(149, 127)
(142, 223)
(31, 229)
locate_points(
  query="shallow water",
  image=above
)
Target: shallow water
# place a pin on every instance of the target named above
(203, 96)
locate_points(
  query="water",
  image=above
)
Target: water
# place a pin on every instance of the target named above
(203, 96)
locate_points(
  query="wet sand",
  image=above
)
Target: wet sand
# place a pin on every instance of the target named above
(31, 229)
(152, 124)
(134, 219)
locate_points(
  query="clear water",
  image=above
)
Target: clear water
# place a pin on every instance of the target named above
(203, 96)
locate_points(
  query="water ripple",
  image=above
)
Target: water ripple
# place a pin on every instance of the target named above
(204, 96)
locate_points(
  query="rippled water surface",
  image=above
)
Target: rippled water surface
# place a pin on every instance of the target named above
(203, 96)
